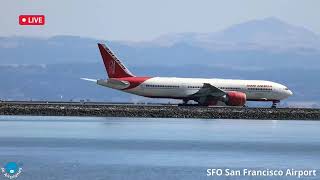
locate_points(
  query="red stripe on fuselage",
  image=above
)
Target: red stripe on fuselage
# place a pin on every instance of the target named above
(134, 81)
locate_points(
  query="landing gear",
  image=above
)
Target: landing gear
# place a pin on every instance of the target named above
(274, 104)
(185, 101)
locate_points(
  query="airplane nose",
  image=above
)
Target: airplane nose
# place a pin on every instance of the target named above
(290, 93)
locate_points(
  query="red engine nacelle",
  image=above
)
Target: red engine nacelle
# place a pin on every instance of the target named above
(235, 98)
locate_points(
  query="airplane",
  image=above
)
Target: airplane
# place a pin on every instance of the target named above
(206, 92)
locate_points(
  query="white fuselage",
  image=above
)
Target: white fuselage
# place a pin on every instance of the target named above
(181, 88)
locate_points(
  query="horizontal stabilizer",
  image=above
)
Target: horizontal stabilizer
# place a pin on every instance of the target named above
(87, 79)
(113, 83)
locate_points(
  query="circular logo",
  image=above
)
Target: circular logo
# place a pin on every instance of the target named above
(11, 170)
(11, 167)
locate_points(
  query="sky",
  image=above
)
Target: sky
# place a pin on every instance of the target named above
(140, 20)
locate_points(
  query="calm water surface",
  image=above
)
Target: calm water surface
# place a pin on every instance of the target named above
(141, 148)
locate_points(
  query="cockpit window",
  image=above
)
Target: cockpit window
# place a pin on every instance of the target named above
(286, 89)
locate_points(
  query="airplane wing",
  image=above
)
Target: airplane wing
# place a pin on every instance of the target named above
(209, 90)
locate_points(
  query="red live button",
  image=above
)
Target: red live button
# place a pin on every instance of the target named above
(31, 20)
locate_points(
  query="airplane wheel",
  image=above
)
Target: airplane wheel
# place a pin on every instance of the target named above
(185, 101)
(274, 104)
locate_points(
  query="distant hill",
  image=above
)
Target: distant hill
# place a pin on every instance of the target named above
(268, 34)
(270, 49)
(265, 43)
(62, 81)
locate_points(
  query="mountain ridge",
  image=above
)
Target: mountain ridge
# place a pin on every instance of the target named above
(254, 32)
(239, 45)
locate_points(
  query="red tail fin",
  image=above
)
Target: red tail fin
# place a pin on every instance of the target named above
(113, 65)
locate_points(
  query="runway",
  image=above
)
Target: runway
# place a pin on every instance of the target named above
(100, 109)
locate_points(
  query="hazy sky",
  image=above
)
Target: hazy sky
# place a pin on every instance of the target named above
(147, 19)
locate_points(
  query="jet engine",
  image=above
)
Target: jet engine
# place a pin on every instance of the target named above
(234, 98)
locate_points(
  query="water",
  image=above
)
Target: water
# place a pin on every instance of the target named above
(136, 148)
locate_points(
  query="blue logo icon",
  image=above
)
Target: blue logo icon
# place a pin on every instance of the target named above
(11, 170)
